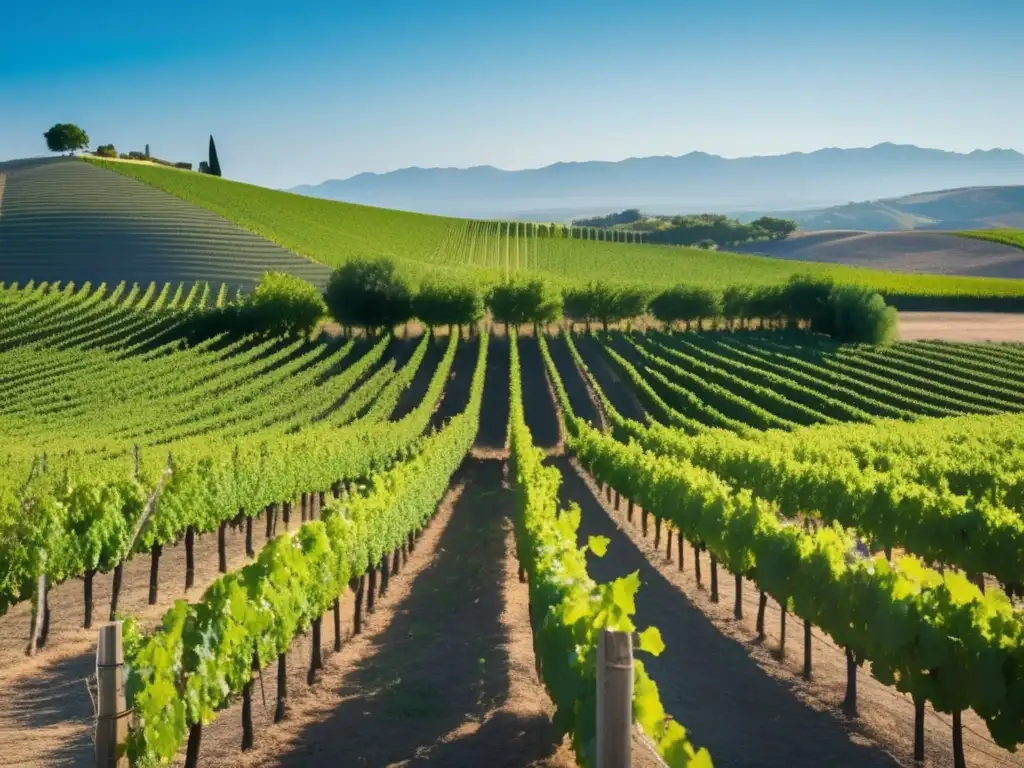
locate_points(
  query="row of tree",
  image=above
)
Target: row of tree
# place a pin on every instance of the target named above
(702, 229)
(372, 294)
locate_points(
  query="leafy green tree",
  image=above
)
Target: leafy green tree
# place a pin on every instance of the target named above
(686, 303)
(214, 162)
(106, 150)
(524, 301)
(773, 227)
(66, 137)
(604, 303)
(369, 294)
(444, 302)
(858, 314)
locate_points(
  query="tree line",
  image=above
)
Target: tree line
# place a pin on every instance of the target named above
(704, 230)
(373, 295)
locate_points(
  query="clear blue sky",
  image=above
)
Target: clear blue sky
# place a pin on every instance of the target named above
(304, 90)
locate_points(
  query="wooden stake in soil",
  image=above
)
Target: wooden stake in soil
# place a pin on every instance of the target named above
(190, 557)
(87, 582)
(714, 579)
(657, 532)
(679, 550)
(286, 514)
(696, 562)
(737, 608)
(782, 631)
(629, 511)
(316, 661)
(249, 550)
(222, 548)
(850, 701)
(154, 572)
(359, 587)
(371, 594)
(115, 592)
(807, 650)
(271, 515)
(282, 687)
(395, 562)
(247, 732)
(337, 625)
(303, 507)
(112, 713)
(643, 522)
(616, 501)
(918, 729)
(762, 603)
(958, 741)
(614, 699)
(385, 575)
(668, 546)
(195, 737)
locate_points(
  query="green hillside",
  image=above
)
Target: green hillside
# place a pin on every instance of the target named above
(61, 219)
(332, 232)
(1014, 237)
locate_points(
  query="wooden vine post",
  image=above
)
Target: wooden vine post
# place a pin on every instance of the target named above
(113, 715)
(614, 699)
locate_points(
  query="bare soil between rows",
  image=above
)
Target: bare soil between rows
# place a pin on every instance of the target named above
(962, 326)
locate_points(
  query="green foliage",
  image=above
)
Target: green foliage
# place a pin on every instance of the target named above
(369, 294)
(859, 314)
(569, 610)
(284, 304)
(685, 303)
(604, 303)
(199, 661)
(524, 301)
(705, 230)
(213, 165)
(66, 137)
(448, 303)
(105, 150)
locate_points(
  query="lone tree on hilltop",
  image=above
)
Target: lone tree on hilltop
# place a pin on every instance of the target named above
(214, 162)
(66, 137)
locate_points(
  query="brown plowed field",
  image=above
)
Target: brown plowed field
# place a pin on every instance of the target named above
(937, 253)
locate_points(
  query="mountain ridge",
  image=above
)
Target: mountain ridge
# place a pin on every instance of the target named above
(680, 183)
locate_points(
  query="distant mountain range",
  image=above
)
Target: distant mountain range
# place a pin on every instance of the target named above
(965, 208)
(696, 182)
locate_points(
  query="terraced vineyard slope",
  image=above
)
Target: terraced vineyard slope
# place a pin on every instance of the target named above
(62, 219)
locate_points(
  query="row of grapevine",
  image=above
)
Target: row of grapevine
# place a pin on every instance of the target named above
(934, 636)
(75, 520)
(569, 610)
(203, 656)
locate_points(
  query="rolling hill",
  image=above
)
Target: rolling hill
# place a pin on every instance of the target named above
(989, 254)
(75, 220)
(62, 219)
(949, 209)
(688, 183)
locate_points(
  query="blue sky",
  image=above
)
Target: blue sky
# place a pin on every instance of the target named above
(305, 90)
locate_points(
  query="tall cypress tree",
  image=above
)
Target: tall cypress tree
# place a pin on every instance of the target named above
(214, 162)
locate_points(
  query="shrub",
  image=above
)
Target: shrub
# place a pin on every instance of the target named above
(368, 294)
(184, 166)
(448, 303)
(105, 150)
(284, 304)
(859, 314)
(687, 304)
(524, 301)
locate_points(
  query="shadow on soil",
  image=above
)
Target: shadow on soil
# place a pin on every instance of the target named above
(441, 665)
(708, 682)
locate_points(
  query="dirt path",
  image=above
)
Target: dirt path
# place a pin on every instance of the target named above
(743, 714)
(962, 326)
(46, 712)
(443, 673)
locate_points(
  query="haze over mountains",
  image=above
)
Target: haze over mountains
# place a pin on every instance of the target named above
(693, 182)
